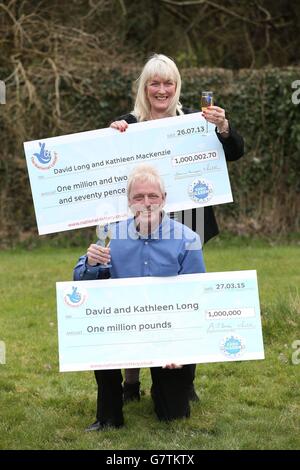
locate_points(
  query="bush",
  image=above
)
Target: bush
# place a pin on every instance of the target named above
(265, 182)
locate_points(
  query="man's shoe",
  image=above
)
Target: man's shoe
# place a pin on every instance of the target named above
(98, 426)
(192, 394)
(131, 392)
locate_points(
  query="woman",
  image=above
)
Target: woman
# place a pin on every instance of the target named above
(158, 94)
(157, 97)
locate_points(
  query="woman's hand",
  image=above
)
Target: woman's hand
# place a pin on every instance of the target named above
(97, 254)
(216, 116)
(119, 125)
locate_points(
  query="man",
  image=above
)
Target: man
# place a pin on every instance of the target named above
(149, 244)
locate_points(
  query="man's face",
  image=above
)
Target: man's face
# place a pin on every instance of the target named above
(146, 202)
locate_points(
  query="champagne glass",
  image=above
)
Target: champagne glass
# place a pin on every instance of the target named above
(207, 100)
(104, 235)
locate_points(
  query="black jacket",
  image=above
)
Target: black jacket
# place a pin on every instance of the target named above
(233, 146)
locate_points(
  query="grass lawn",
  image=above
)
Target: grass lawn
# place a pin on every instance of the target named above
(244, 405)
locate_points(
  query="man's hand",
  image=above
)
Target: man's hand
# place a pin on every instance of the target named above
(98, 255)
(172, 366)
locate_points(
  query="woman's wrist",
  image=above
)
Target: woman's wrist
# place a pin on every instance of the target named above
(223, 128)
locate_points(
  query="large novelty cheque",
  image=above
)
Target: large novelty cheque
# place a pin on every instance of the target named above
(79, 180)
(147, 322)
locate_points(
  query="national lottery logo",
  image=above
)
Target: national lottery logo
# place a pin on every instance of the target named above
(44, 159)
(200, 190)
(75, 297)
(232, 346)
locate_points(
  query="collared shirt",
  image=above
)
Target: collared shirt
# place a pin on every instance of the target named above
(170, 250)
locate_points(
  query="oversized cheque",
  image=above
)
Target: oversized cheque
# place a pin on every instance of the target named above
(79, 180)
(146, 322)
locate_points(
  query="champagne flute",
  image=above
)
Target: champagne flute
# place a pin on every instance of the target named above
(207, 100)
(104, 235)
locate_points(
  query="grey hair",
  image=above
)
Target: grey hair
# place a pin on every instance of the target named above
(145, 173)
(164, 67)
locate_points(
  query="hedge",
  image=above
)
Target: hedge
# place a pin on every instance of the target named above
(265, 182)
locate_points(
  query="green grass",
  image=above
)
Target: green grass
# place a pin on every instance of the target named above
(244, 405)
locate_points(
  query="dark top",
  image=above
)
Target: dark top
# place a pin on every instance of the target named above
(233, 146)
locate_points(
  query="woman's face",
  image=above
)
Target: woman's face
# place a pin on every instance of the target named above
(160, 93)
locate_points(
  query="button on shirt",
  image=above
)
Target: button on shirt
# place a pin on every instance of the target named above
(170, 250)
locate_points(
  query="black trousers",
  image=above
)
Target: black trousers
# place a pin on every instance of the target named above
(170, 393)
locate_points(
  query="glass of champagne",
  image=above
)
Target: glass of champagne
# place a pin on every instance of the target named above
(104, 235)
(207, 100)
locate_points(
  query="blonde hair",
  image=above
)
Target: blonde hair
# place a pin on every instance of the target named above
(146, 174)
(164, 67)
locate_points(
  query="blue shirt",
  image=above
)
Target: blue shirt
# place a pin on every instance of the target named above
(170, 250)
